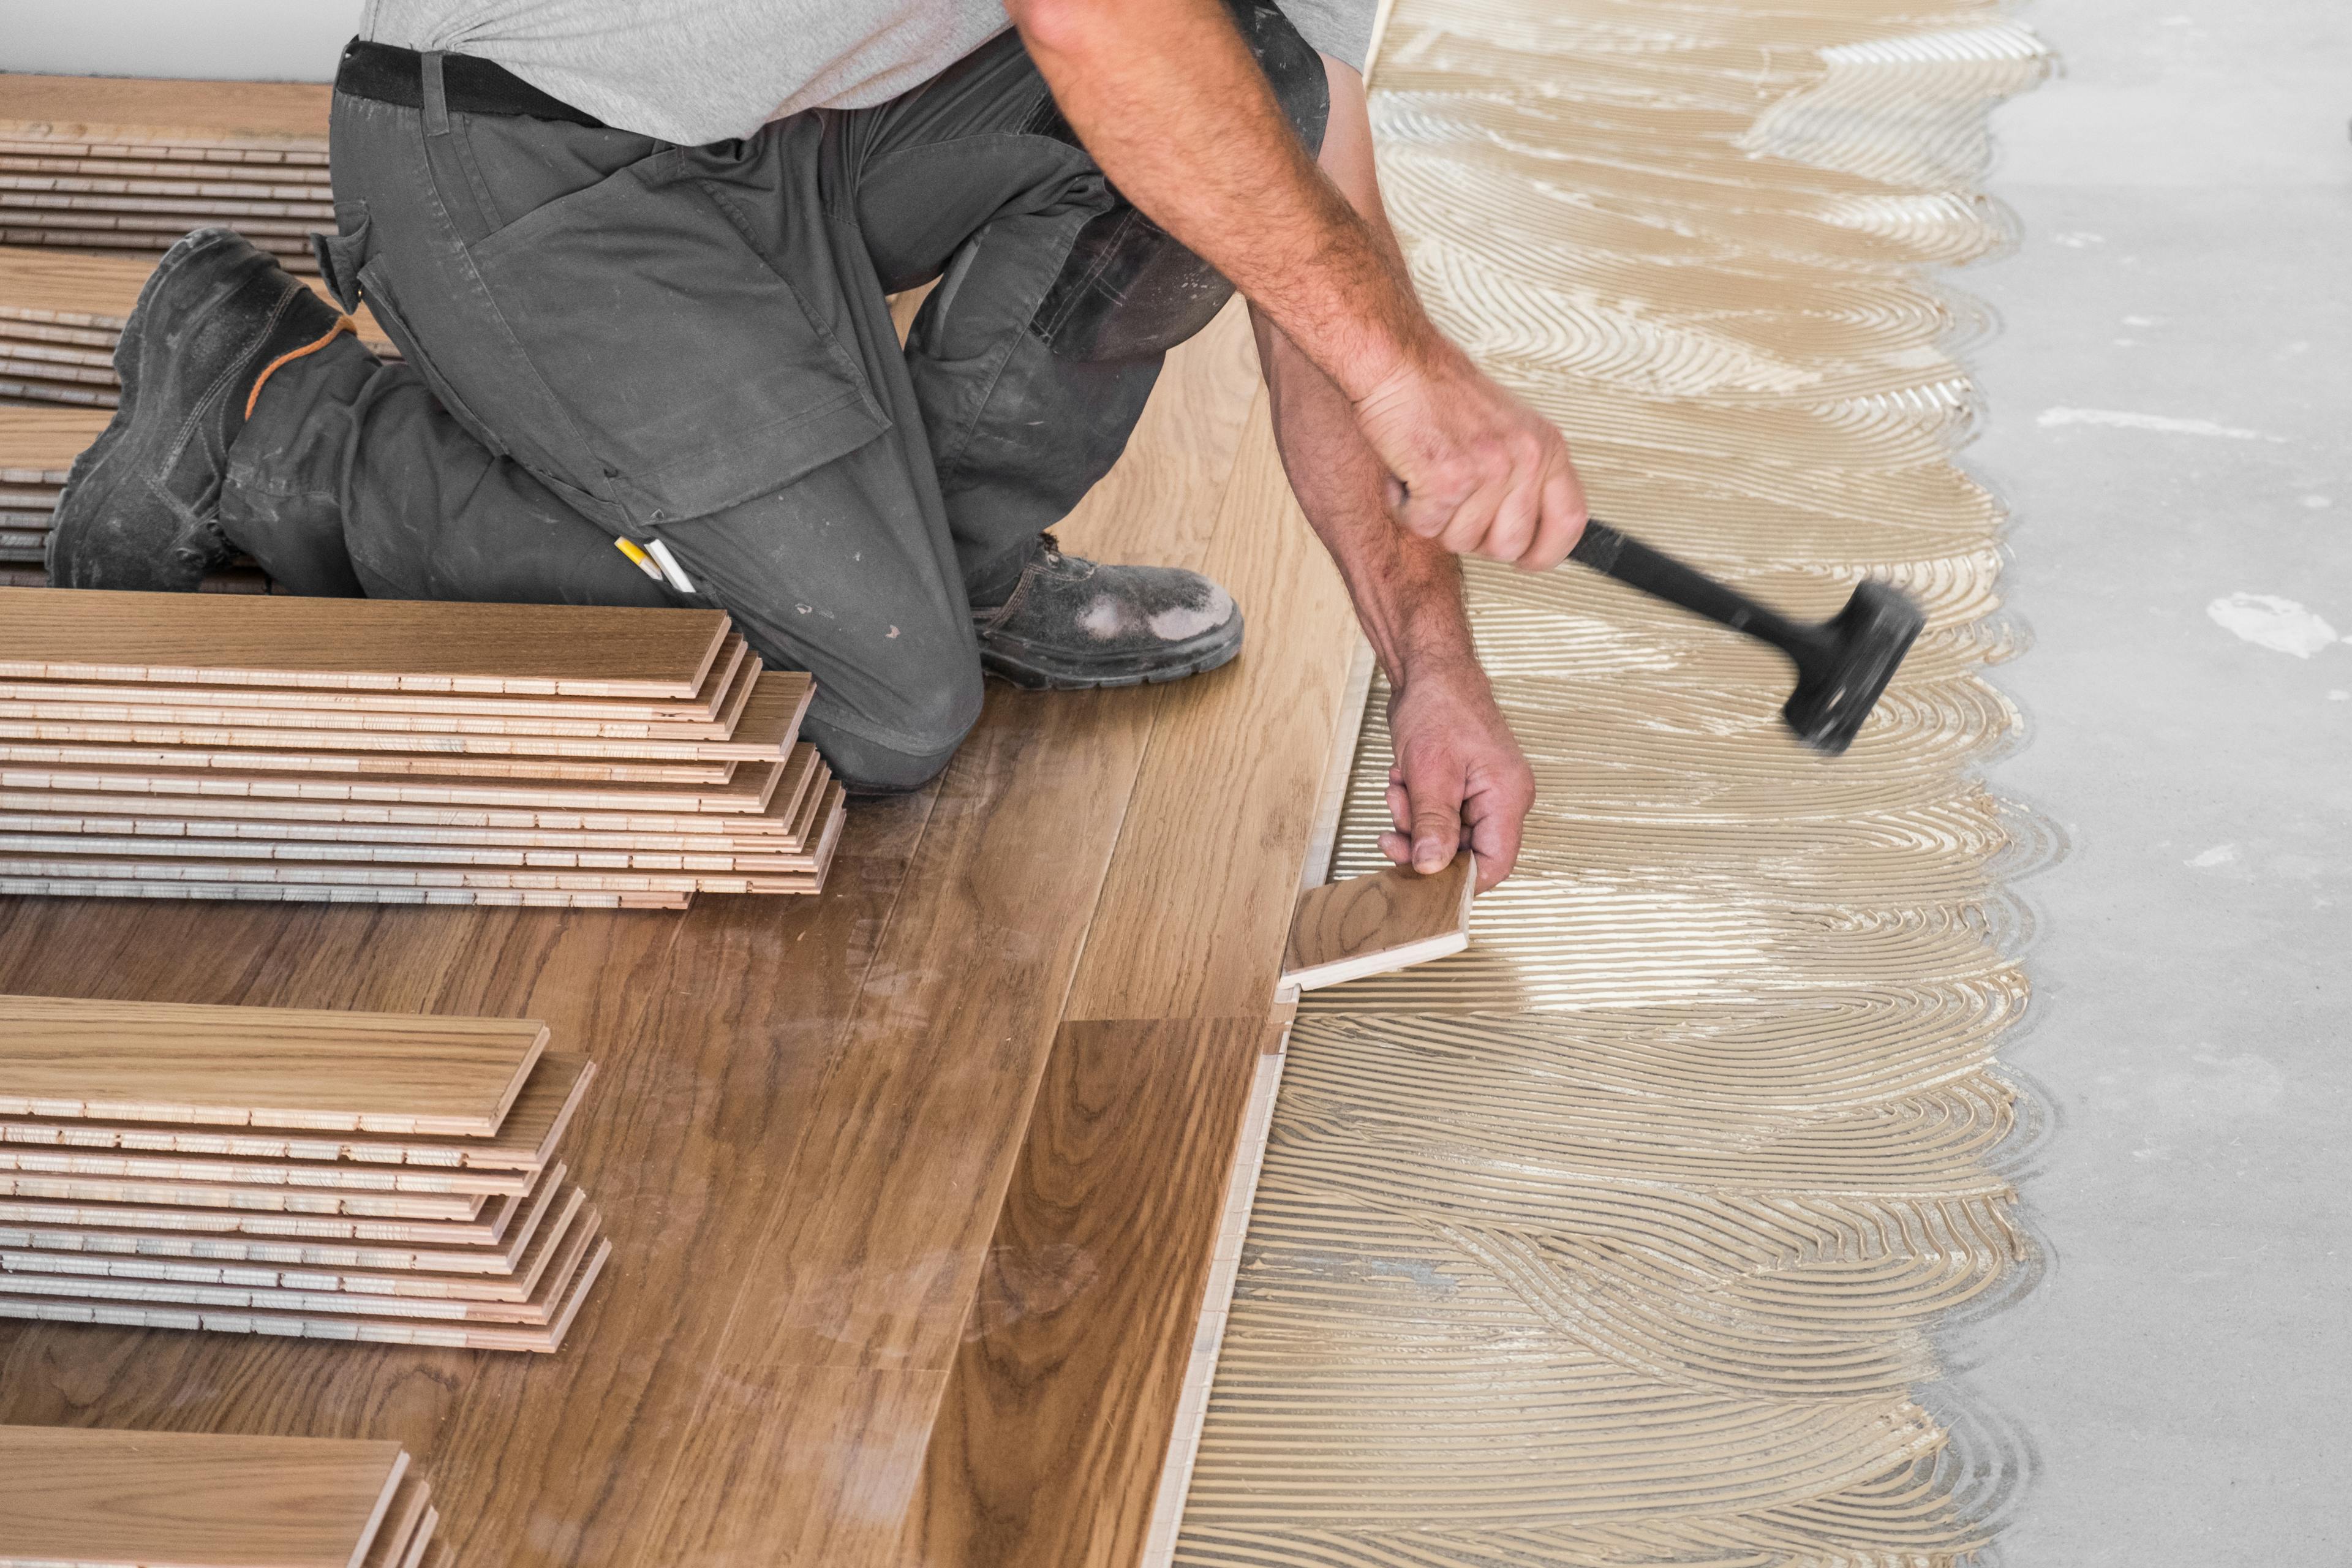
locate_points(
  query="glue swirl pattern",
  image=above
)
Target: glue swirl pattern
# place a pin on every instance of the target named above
(1629, 1234)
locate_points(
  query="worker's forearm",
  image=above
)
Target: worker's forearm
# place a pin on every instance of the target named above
(1167, 97)
(1407, 590)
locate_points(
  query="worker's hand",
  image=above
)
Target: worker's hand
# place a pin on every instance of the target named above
(1475, 468)
(1460, 777)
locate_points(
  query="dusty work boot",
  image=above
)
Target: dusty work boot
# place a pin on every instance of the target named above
(139, 511)
(1070, 625)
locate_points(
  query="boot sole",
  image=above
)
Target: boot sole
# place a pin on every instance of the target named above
(1032, 676)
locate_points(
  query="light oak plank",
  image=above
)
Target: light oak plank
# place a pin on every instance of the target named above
(295, 807)
(191, 1500)
(539, 1309)
(297, 1174)
(544, 1340)
(749, 791)
(733, 676)
(770, 724)
(146, 1061)
(455, 1206)
(98, 1232)
(46, 887)
(1192, 916)
(72, 1257)
(550, 650)
(525, 1139)
(270, 758)
(725, 689)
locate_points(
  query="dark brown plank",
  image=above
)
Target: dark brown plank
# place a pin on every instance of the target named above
(1048, 1444)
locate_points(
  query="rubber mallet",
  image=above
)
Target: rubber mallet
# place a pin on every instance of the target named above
(1842, 663)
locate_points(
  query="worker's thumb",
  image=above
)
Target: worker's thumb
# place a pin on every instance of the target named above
(1436, 828)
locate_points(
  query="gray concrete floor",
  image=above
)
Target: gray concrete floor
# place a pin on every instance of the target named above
(2185, 1372)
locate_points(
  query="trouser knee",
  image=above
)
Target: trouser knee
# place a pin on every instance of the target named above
(1129, 289)
(867, 766)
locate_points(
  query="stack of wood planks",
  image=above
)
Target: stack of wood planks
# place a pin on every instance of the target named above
(206, 746)
(74, 1497)
(61, 315)
(126, 166)
(377, 1177)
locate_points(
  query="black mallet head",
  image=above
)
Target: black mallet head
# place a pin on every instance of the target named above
(1846, 661)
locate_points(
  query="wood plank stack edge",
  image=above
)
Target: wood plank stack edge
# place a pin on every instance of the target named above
(199, 746)
(125, 166)
(82, 1497)
(370, 1177)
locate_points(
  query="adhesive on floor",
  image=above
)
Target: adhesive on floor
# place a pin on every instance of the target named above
(1626, 1234)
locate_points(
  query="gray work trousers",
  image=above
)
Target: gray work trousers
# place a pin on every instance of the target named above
(605, 335)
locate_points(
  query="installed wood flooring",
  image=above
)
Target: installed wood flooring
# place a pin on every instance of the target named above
(911, 1188)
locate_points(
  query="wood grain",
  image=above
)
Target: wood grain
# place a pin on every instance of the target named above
(550, 650)
(1371, 925)
(144, 1061)
(190, 1500)
(1194, 914)
(809, 1122)
(1082, 1328)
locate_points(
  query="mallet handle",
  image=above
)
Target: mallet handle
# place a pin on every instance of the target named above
(1628, 560)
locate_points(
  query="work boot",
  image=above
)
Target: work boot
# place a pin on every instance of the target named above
(139, 511)
(1071, 625)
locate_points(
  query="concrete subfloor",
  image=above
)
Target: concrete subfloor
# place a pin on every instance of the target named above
(2186, 192)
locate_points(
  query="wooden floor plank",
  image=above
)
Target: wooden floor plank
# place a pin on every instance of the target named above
(707, 711)
(748, 792)
(770, 724)
(525, 1139)
(74, 1256)
(564, 1256)
(1048, 1445)
(1194, 913)
(156, 800)
(190, 1500)
(757, 1380)
(725, 692)
(95, 1232)
(545, 1338)
(552, 650)
(143, 1061)
(1377, 924)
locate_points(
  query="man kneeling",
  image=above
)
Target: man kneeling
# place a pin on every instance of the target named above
(636, 256)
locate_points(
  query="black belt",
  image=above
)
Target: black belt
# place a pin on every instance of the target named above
(470, 85)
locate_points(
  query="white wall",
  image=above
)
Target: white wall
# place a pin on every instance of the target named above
(265, 40)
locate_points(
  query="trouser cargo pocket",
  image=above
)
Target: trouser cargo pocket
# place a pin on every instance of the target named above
(693, 375)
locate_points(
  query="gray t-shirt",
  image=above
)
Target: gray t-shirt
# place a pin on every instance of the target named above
(705, 70)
